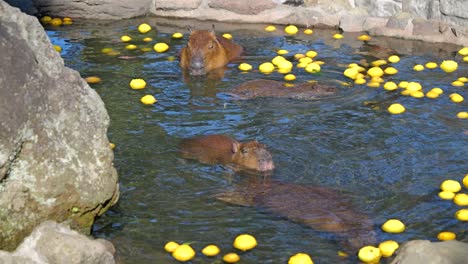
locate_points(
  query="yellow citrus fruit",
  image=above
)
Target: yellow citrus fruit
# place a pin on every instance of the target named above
(462, 115)
(56, 22)
(183, 253)
(311, 54)
(45, 20)
(106, 50)
(463, 79)
(305, 60)
(147, 39)
(417, 94)
(465, 59)
(125, 38)
(160, 47)
(393, 226)
(291, 30)
(432, 94)
(148, 99)
(414, 86)
(450, 186)
(369, 254)
(387, 248)
(177, 35)
(266, 67)
(364, 37)
(446, 195)
(300, 258)
(231, 258)
(290, 77)
(465, 181)
(57, 48)
(373, 84)
(390, 86)
(245, 242)
(394, 59)
(403, 84)
(308, 31)
(462, 215)
(463, 51)
(245, 67)
(437, 90)
(375, 72)
(270, 28)
(313, 67)
(351, 73)
(277, 59)
(446, 235)
(144, 28)
(227, 36)
(337, 36)
(282, 52)
(93, 79)
(396, 109)
(418, 67)
(137, 84)
(210, 250)
(457, 83)
(378, 63)
(449, 65)
(298, 56)
(456, 98)
(360, 81)
(111, 145)
(171, 246)
(431, 65)
(131, 47)
(390, 71)
(461, 199)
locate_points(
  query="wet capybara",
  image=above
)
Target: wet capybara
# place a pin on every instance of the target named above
(214, 149)
(320, 208)
(269, 88)
(205, 52)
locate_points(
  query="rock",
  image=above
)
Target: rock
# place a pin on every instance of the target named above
(425, 27)
(245, 7)
(55, 160)
(401, 21)
(174, 5)
(422, 8)
(454, 8)
(352, 23)
(380, 8)
(96, 9)
(57, 243)
(374, 22)
(424, 251)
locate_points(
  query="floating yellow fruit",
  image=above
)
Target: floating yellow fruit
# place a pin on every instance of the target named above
(414, 86)
(93, 79)
(137, 84)
(282, 52)
(144, 28)
(437, 90)
(462, 115)
(302, 64)
(270, 28)
(465, 59)
(456, 98)
(245, 242)
(319, 62)
(148, 99)
(291, 30)
(463, 79)
(461, 199)
(450, 186)
(446, 235)
(417, 94)
(56, 22)
(364, 37)
(462, 215)
(231, 258)
(57, 48)
(343, 254)
(125, 38)
(405, 92)
(446, 195)
(418, 67)
(351, 73)
(393, 226)
(210, 250)
(387, 248)
(378, 63)
(266, 67)
(403, 84)
(449, 66)
(313, 67)
(394, 59)
(308, 31)
(311, 54)
(305, 60)
(112, 146)
(337, 36)
(375, 72)
(431, 65)
(131, 47)
(290, 77)
(390, 71)
(160, 47)
(45, 20)
(147, 39)
(390, 86)
(227, 36)
(431, 94)
(373, 84)
(465, 181)
(458, 83)
(360, 81)
(245, 67)
(171, 246)
(463, 51)
(298, 56)
(277, 59)
(107, 50)
(369, 254)
(284, 66)
(177, 35)
(183, 253)
(300, 258)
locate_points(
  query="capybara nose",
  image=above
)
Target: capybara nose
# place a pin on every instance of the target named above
(197, 63)
(265, 165)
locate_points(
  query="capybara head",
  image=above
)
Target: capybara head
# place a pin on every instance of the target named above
(252, 155)
(203, 53)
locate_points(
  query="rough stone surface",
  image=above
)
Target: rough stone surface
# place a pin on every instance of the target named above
(425, 28)
(424, 251)
(56, 243)
(245, 7)
(174, 5)
(55, 160)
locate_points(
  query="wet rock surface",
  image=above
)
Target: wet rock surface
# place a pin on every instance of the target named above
(424, 251)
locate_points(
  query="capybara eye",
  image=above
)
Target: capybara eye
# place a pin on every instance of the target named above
(244, 151)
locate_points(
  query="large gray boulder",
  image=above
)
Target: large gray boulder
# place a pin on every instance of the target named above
(57, 243)
(55, 160)
(425, 251)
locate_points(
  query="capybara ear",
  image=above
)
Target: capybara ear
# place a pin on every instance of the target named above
(212, 28)
(189, 28)
(235, 147)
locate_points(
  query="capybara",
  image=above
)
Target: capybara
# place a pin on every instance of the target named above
(205, 52)
(213, 149)
(320, 208)
(269, 88)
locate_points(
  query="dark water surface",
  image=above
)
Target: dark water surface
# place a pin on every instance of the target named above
(392, 164)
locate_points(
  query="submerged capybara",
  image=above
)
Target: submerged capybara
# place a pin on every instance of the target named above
(205, 52)
(269, 88)
(320, 208)
(221, 149)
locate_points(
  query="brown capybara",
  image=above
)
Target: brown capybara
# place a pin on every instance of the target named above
(213, 149)
(269, 88)
(205, 52)
(320, 208)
